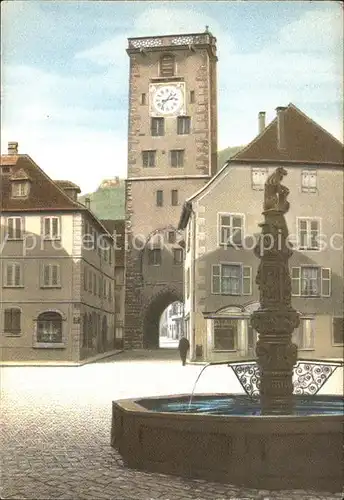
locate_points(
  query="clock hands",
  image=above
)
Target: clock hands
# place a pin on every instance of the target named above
(171, 96)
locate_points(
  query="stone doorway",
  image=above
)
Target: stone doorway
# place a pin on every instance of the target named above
(154, 310)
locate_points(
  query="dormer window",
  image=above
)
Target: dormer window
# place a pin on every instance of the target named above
(167, 65)
(20, 189)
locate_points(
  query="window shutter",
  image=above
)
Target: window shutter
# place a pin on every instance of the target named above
(16, 316)
(247, 280)
(296, 280)
(10, 231)
(55, 274)
(46, 275)
(55, 227)
(18, 227)
(9, 275)
(216, 273)
(325, 281)
(46, 227)
(17, 275)
(8, 320)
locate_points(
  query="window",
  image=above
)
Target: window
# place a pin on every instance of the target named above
(311, 281)
(231, 229)
(183, 125)
(157, 126)
(90, 281)
(226, 334)
(177, 256)
(51, 275)
(187, 283)
(171, 237)
(84, 330)
(110, 292)
(51, 228)
(143, 99)
(192, 96)
(303, 336)
(338, 331)
(259, 176)
(159, 198)
(85, 278)
(88, 239)
(94, 284)
(167, 65)
(148, 158)
(20, 189)
(231, 279)
(177, 157)
(154, 257)
(100, 285)
(174, 197)
(308, 234)
(309, 181)
(14, 228)
(49, 328)
(14, 275)
(12, 320)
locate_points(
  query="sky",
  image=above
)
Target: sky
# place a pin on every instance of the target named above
(64, 83)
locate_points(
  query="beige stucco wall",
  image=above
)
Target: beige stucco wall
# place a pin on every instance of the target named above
(231, 192)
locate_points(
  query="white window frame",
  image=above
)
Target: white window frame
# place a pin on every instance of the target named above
(179, 155)
(14, 283)
(50, 236)
(50, 266)
(332, 332)
(309, 172)
(14, 220)
(260, 170)
(321, 278)
(243, 269)
(183, 123)
(232, 215)
(308, 221)
(20, 189)
(50, 345)
(304, 322)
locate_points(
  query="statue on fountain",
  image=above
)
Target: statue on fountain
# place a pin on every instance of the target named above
(275, 320)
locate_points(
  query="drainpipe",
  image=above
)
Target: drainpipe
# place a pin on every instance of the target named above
(193, 281)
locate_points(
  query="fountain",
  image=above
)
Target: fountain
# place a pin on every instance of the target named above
(280, 434)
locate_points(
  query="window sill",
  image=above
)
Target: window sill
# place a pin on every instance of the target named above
(225, 350)
(306, 249)
(338, 345)
(15, 239)
(305, 348)
(13, 286)
(51, 238)
(12, 334)
(49, 345)
(51, 286)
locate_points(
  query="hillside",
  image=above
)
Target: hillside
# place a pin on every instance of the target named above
(108, 201)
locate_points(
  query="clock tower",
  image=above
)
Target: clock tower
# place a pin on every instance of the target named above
(172, 153)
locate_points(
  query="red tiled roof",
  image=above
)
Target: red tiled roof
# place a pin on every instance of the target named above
(68, 185)
(19, 175)
(44, 193)
(306, 141)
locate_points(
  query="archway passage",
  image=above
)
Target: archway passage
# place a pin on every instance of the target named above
(153, 314)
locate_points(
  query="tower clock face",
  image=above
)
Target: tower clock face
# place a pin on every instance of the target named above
(167, 99)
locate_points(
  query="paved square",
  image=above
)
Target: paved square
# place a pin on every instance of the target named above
(55, 431)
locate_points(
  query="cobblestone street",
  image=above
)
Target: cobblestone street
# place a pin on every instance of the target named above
(55, 432)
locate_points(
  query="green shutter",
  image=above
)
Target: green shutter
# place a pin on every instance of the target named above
(325, 281)
(247, 280)
(296, 280)
(216, 273)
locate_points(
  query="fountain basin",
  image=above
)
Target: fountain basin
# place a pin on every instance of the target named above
(223, 438)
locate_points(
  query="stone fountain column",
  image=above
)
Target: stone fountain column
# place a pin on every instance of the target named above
(275, 320)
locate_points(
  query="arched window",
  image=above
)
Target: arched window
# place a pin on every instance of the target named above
(167, 65)
(12, 321)
(49, 327)
(104, 333)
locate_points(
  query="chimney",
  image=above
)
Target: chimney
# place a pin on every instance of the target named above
(88, 203)
(281, 138)
(261, 121)
(12, 148)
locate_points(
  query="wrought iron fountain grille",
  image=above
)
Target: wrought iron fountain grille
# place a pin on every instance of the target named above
(308, 376)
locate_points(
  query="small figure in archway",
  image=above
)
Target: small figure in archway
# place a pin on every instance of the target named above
(183, 347)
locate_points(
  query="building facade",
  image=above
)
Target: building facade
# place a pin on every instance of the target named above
(57, 269)
(172, 152)
(222, 227)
